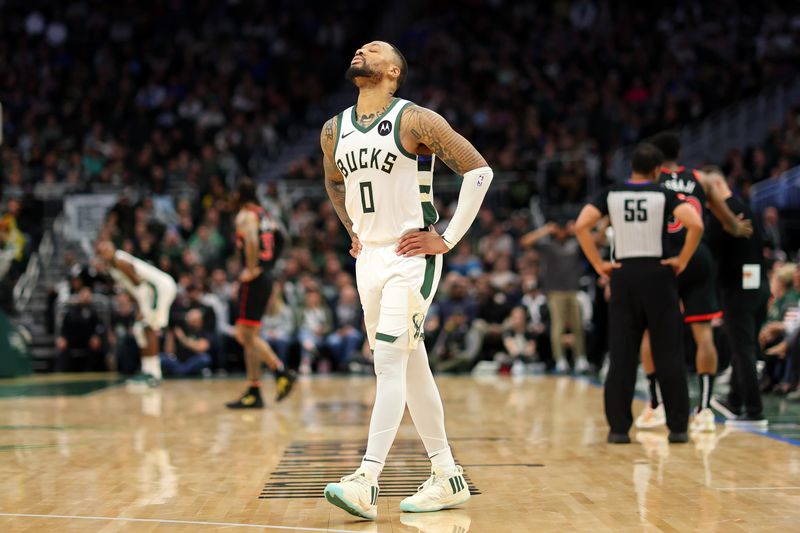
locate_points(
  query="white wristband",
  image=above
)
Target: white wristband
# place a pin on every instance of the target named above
(473, 190)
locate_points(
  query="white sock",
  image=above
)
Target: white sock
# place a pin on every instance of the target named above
(372, 465)
(425, 407)
(390, 402)
(151, 364)
(443, 460)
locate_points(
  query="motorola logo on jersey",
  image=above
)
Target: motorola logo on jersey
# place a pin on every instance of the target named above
(366, 158)
(385, 128)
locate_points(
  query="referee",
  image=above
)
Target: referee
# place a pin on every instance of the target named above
(744, 293)
(644, 293)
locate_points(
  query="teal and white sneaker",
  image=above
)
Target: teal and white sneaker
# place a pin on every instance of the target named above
(441, 491)
(143, 381)
(357, 494)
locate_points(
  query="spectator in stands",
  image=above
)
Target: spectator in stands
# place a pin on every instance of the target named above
(81, 344)
(785, 288)
(7, 253)
(219, 284)
(502, 277)
(493, 307)
(121, 341)
(788, 353)
(330, 274)
(496, 244)
(535, 303)
(196, 298)
(774, 232)
(456, 345)
(464, 261)
(208, 244)
(346, 337)
(519, 342)
(278, 324)
(458, 299)
(315, 323)
(191, 348)
(178, 140)
(562, 268)
(13, 238)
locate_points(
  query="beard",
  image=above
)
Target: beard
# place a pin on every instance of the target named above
(359, 71)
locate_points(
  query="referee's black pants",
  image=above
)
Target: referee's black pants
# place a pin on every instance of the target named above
(644, 295)
(744, 313)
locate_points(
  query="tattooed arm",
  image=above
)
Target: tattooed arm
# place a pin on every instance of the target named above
(428, 128)
(425, 131)
(334, 181)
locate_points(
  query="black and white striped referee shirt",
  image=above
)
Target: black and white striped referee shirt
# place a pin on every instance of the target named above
(639, 213)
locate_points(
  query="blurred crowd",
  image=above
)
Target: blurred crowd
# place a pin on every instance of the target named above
(493, 301)
(186, 96)
(20, 233)
(120, 93)
(779, 337)
(779, 152)
(522, 300)
(97, 93)
(555, 87)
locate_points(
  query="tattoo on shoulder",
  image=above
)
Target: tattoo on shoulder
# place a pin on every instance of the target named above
(336, 186)
(328, 132)
(432, 130)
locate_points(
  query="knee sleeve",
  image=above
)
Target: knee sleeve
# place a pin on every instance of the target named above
(424, 403)
(390, 397)
(391, 357)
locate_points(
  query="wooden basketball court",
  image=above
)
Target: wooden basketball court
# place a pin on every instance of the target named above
(94, 457)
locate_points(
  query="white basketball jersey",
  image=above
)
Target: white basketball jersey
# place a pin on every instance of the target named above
(388, 191)
(153, 278)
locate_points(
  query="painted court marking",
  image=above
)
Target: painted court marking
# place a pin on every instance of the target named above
(165, 521)
(757, 488)
(718, 419)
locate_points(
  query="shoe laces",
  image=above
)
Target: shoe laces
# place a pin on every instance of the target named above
(429, 482)
(438, 478)
(356, 477)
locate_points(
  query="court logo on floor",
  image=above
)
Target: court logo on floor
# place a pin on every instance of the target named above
(307, 466)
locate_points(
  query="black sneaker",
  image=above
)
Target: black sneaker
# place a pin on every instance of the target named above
(619, 438)
(748, 421)
(284, 383)
(249, 400)
(725, 408)
(676, 437)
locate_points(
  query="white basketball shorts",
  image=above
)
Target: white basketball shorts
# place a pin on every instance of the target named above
(395, 292)
(154, 297)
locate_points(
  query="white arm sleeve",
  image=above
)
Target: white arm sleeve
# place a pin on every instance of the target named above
(473, 190)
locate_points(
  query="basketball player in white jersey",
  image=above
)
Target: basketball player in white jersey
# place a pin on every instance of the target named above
(378, 159)
(154, 292)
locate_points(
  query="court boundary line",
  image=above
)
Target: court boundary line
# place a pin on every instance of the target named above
(639, 396)
(169, 521)
(733, 489)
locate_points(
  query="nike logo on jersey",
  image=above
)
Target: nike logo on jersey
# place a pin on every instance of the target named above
(366, 158)
(346, 134)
